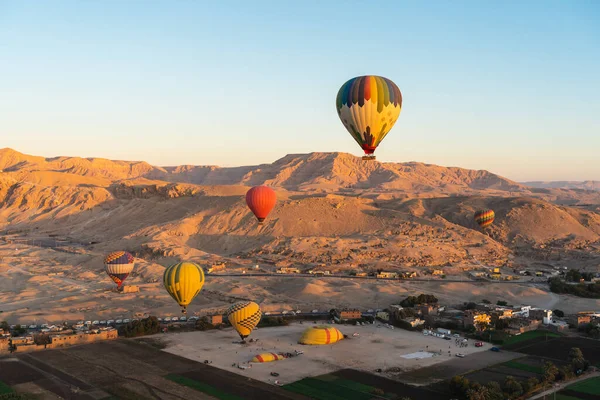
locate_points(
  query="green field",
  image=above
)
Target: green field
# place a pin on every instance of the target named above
(4, 388)
(530, 335)
(589, 386)
(331, 387)
(524, 367)
(564, 397)
(202, 387)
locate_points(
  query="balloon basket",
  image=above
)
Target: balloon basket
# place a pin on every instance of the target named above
(368, 158)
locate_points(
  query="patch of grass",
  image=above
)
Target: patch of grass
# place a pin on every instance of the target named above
(530, 335)
(524, 367)
(153, 342)
(565, 397)
(202, 387)
(589, 386)
(340, 389)
(4, 388)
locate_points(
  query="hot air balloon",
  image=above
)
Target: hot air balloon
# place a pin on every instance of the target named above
(485, 218)
(369, 107)
(261, 200)
(267, 357)
(118, 265)
(244, 316)
(320, 335)
(184, 281)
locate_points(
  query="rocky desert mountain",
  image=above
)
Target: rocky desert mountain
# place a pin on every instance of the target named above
(334, 211)
(333, 208)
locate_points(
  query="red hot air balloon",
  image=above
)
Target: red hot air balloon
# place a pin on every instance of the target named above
(261, 200)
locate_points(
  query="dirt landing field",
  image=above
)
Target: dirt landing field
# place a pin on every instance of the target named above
(375, 348)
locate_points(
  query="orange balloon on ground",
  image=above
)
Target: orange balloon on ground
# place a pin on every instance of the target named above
(261, 200)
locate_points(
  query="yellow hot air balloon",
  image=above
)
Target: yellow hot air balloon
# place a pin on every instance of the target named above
(369, 106)
(320, 335)
(244, 316)
(184, 281)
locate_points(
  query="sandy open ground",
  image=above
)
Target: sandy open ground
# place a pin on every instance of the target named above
(376, 347)
(43, 285)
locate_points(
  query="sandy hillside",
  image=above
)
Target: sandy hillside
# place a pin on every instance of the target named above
(334, 212)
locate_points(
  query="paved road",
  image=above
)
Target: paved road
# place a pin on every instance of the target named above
(304, 276)
(561, 386)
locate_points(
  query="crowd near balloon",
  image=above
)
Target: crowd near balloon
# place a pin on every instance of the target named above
(368, 107)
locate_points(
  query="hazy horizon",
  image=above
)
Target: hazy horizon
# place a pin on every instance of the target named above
(508, 88)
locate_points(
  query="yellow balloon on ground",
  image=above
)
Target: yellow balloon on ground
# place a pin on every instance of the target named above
(244, 316)
(267, 357)
(184, 281)
(320, 335)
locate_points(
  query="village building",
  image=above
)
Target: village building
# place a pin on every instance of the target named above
(414, 322)
(428, 309)
(384, 274)
(348, 314)
(580, 319)
(538, 313)
(288, 270)
(521, 325)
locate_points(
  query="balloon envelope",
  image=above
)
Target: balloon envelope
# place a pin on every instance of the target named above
(369, 106)
(244, 316)
(261, 200)
(320, 335)
(485, 218)
(118, 265)
(183, 281)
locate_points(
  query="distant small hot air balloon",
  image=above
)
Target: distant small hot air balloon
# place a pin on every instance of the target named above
(244, 316)
(261, 200)
(369, 106)
(485, 218)
(183, 281)
(118, 265)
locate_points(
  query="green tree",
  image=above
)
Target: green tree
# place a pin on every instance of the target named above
(550, 372)
(4, 326)
(512, 387)
(559, 313)
(486, 301)
(494, 391)
(459, 385)
(42, 339)
(575, 353)
(480, 393)
(532, 384)
(565, 373)
(19, 330)
(501, 303)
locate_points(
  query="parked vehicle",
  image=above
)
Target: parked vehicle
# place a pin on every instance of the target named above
(461, 355)
(479, 344)
(496, 349)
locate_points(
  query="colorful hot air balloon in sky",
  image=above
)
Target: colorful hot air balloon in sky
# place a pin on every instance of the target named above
(118, 265)
(485, 218)
(244, 316)
(369, 107)
(261, 200)
(184, 281)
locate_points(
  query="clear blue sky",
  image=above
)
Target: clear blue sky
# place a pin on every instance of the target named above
(512, 87)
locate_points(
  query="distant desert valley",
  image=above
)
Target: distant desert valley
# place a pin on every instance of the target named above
(60, 216)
